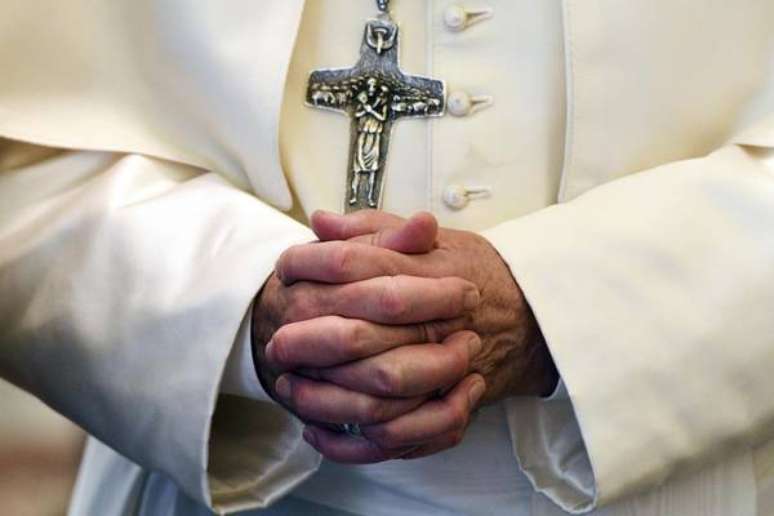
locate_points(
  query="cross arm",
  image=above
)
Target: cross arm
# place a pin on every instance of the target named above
(419, 96)
(330, 89)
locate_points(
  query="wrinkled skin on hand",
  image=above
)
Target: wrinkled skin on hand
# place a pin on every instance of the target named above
(325, 317)
(513, 359)
(399, 361)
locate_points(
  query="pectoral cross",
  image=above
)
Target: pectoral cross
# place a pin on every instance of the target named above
(374, 94)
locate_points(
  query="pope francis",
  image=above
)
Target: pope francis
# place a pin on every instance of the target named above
(526, 269)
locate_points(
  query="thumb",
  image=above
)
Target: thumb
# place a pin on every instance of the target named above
(332, 226)
(416, 235)
(413, 236)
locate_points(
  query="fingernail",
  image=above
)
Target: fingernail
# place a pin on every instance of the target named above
(472, 298)
(475, 393)
(268, 350)
(310, 437)
(474, 345)
(283, 388)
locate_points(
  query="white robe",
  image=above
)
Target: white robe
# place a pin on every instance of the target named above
(124, 278)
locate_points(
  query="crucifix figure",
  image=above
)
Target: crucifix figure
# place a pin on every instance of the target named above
(374, 94)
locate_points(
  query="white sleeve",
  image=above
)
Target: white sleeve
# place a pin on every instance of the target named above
(655, 296)
(123, 284)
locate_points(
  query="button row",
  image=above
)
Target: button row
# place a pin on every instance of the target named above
(461, 104)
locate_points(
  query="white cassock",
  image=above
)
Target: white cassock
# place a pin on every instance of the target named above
(626, 148)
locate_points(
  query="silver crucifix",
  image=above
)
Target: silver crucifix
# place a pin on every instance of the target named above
(374, 94)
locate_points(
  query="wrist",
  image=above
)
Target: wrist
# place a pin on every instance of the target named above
(544, 374)
(539, 375)
(263, 328)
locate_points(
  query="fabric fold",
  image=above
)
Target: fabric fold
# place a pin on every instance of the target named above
(148, 76)
(597, 272)
(131, 280)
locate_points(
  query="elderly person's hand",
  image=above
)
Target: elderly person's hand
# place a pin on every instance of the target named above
(425, 366)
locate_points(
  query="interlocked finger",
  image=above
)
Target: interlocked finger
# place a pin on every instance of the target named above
(324, 402)
(332, 340)
(342, 262)
(444, 423)
(332, 226)
(385, 300)
(409, 371)
(435, 418)
(414, 235)
(407, 299)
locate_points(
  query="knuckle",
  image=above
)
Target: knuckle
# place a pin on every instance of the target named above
(392, 302)
(300, 305)
(292, 305)
(355, 335)
(341, 261)
(391, 266)
(373, 411)
(388, 380)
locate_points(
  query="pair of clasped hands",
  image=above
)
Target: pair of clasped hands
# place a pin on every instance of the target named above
(398, 326)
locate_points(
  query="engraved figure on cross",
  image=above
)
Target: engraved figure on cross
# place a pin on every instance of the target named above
(374, 94)
(371, 116)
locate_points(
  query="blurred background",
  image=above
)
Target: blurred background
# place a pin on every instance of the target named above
(39, 456)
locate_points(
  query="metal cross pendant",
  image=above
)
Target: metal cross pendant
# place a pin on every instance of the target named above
(374, 94)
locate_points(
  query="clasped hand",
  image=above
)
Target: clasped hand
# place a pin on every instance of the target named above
(398, 326)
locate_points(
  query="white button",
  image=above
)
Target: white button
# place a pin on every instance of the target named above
(456, 197)
(459, 103)
(458, 18)
(455, 17)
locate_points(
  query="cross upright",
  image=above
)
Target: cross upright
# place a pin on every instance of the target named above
(374, 94)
